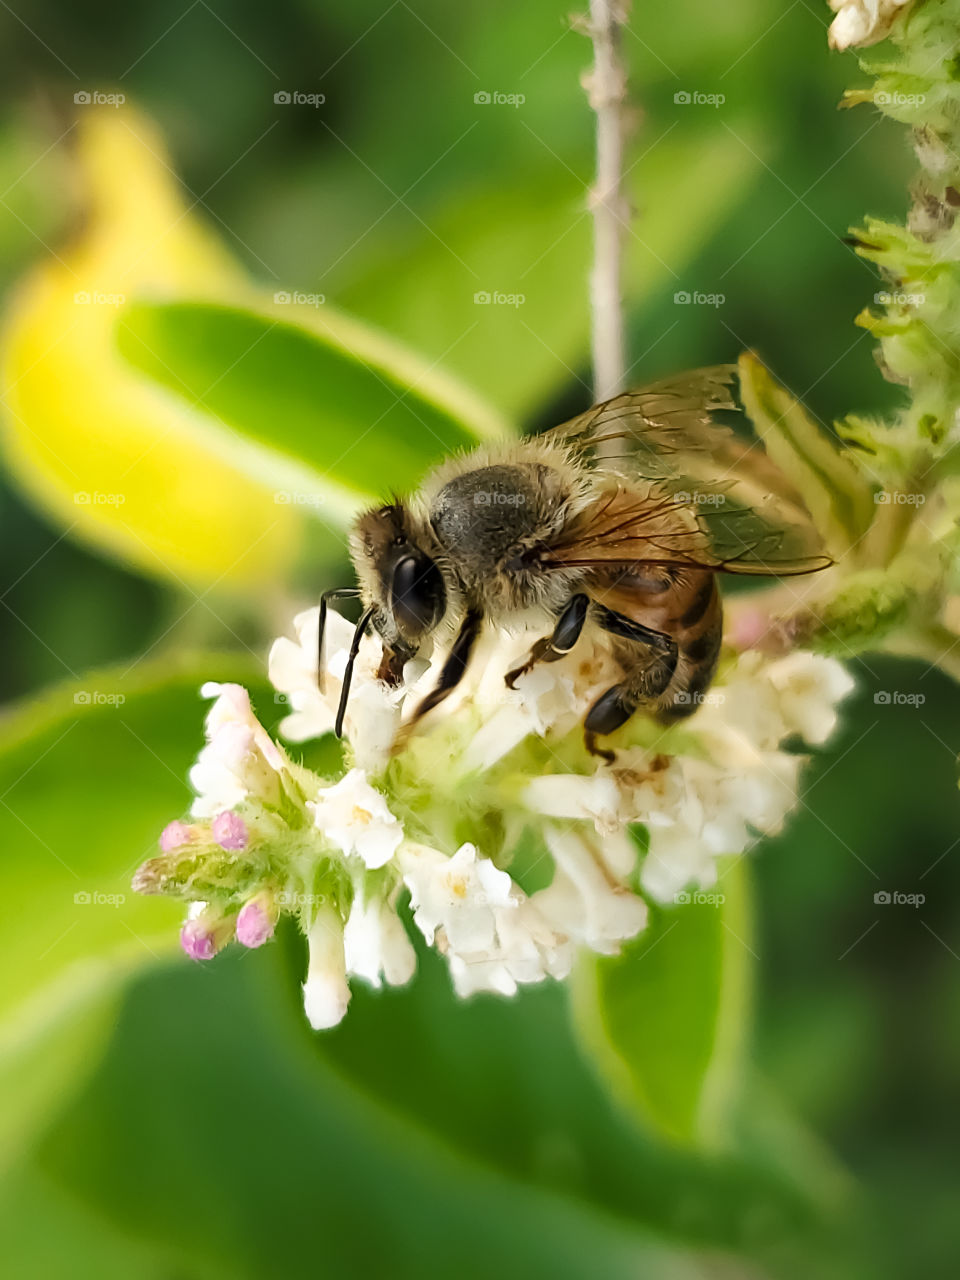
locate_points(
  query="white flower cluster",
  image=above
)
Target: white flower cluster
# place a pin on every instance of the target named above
(391, 818)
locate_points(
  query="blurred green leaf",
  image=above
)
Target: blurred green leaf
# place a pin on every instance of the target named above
(315, 403)
(506, 1082)
(265, 1161)
(89, 776)
(521, 351)
(46, 1231)
(665, 1021)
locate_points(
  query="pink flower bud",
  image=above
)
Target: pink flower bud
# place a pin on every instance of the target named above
(174, 836)
(198, 940)
(256, 921)
(205, 932)
(230, 831)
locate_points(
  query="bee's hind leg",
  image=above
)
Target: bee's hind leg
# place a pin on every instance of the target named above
(559, 643)
(647, 678)
(611, 710)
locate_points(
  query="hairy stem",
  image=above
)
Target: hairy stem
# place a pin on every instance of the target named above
(606, 85)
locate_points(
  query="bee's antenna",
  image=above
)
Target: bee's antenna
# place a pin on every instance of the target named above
(348, 673)
(338, 593)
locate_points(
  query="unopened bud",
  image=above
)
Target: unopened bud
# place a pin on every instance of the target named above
(174, 836)
(230, 831)
(257, 920)
(205, 933)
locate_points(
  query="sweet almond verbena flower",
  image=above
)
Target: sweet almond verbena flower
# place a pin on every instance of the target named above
(489, 829)
(863, 22)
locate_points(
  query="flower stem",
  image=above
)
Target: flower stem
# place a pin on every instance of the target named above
(606, 85)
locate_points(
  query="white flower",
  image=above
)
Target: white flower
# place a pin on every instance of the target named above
(728, 784)
(676, 858)
(595, 797)
(716, 809)
(492, 934)
(528, 949)
(373, 709)
(585, 901)
(862, 22)
(355, 817)
(810, 688)
(240, 759)
(457, 894)
(325, 991)
(375, 942)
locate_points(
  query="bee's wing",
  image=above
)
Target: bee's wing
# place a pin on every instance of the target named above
(657, 426)
(645, 522)
(684, 490)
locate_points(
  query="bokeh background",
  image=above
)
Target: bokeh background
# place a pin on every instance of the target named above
(190, 1127)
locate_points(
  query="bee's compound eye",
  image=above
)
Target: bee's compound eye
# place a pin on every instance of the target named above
(417, 595)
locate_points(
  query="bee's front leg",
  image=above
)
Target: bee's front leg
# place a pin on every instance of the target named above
(455, 666)
(337, 593)
(559, 643)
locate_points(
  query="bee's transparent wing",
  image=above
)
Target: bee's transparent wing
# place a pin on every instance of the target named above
(656, 427)
(684, 490)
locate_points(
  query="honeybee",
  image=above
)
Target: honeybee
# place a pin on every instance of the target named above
(620, 519)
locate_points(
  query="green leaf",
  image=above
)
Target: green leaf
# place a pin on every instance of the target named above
(835, 493)
(313, 402)
(665, 1021)
(253, 1155)
(89, 776)
(45, 1231)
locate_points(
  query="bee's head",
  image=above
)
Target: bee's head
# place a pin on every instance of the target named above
(397, 576)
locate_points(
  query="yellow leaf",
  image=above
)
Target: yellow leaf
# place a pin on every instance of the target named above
(125, 465)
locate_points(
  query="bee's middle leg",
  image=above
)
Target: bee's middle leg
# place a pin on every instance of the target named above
(559, 643)
(656, 657)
